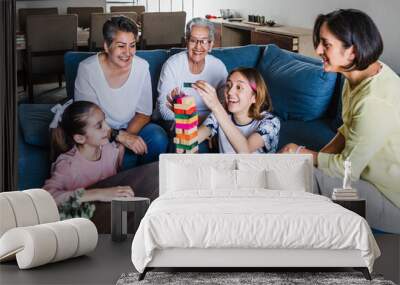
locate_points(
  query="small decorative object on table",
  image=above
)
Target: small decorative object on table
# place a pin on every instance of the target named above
(346, 192)
(186, 122)
(347, 196)
(119, 209)
(227, 13)
(258, 20)
(270, 23)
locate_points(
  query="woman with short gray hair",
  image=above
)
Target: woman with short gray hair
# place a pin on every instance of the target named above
(200, 22)
(119, 82)
(184, 68)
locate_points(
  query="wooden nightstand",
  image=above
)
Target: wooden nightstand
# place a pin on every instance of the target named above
(358, 206)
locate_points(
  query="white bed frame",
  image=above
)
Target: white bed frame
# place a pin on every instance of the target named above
(250, 258)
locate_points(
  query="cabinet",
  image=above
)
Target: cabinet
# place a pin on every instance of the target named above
(290, 38)
(295, 39)
(357, 206)
(282, 41)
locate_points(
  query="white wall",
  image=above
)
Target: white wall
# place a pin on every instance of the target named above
(303, 13)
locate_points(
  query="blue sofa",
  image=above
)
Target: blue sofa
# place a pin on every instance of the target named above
(305, 98)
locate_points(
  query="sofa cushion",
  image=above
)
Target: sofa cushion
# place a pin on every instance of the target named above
(34, 121)
(232, 57)
(156, 59)
(299, 88)
(313, 134)
(246, 56)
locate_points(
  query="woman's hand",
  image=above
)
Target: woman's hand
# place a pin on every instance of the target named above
(208, 94)
(294, 148)
(289, 148)
(170, 98)
(107, 194)
(133, 142)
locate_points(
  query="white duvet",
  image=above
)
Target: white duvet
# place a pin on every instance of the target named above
(253, 218)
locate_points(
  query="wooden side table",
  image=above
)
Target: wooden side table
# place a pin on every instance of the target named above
(119, 209)
(358, 206)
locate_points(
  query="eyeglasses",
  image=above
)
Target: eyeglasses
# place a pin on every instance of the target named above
(123, 45)
(202, 42)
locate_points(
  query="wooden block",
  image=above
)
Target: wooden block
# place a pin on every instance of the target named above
(190, 131)
(178, 131)
(179, 111)
(184, 106)
(187, 121)
(186, 147)
(191, 110)
(186, 126)
(188, 142)
(188, 100)
(186, 116)
(176, 140)
(193, 150)
(179, 150)
(187, 137)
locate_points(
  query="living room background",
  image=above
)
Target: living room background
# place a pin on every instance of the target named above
(287, 12)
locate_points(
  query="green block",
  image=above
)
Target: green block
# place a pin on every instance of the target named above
(184, 116)
(187, 147)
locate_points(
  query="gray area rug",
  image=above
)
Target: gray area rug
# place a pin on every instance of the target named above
(243, 278)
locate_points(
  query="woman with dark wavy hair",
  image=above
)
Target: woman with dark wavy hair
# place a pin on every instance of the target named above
(349, 43)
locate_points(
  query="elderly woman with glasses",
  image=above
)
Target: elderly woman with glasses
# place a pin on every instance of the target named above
(119, 82)
(189, 66)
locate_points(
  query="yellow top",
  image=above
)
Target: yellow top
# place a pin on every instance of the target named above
(371, 128)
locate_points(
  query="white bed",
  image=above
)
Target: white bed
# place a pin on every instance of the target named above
(240, 211)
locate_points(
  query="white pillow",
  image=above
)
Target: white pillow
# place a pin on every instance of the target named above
(293, 180)
(251, 178)
(282, 173)
(223, 179)
(183, 177)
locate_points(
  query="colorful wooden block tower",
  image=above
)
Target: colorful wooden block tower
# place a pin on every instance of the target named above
(186, 122)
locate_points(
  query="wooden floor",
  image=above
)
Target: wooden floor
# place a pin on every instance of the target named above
(389, 262)
(110, 259)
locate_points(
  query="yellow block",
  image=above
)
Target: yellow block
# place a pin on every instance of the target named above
(188, 100)
(191, 131)
(187, 121)
(184, 106)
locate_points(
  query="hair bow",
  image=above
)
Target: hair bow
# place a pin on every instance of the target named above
(58, 110)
